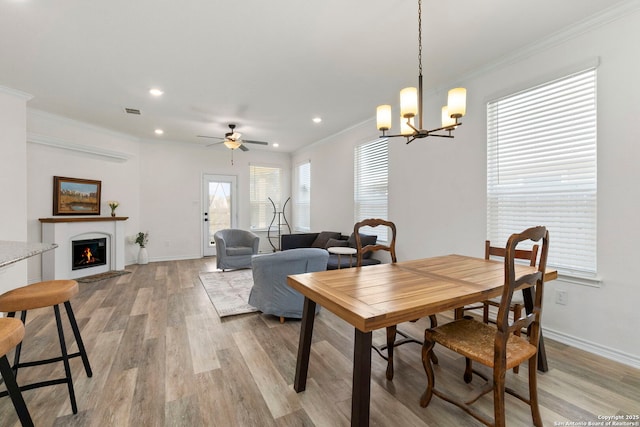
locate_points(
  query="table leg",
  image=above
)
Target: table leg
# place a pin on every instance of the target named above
(361, 394)
(543, 366)
(304, 346)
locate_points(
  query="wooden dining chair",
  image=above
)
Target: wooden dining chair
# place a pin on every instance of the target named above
(517, 303)
(496, 346)
(392, 331)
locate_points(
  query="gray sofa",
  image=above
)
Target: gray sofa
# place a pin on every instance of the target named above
(234, 248)
(270, 293)
(327, 239)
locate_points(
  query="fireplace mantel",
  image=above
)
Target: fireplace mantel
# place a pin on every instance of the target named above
(63, 230)
(84, 219)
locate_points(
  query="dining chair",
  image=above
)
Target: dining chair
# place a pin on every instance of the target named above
(392, 331)
(517, 303)
(496, 347)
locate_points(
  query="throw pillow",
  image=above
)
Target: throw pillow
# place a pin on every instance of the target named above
(323, 238)
(332, 243)
(366, 240)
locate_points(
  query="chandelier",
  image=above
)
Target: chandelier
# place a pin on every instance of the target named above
(411, 106)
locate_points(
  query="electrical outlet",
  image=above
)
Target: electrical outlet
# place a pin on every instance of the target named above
(562, 297)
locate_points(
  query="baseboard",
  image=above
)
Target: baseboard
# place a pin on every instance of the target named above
(159, 259)
(591, 347)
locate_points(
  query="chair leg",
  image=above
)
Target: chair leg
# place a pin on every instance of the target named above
(281, 319)
(427, 353)
(533, 391)
(391, 339)
(65, 360)
(485, 312)
(434, 322)
(468, 370)
(78, 337)
(14, 392)
(517, 313)
(498, 395)
(16, 355)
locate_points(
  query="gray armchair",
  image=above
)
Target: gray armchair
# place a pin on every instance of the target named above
(234, 248)
(270, 293)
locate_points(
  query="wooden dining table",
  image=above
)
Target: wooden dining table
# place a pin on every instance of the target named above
(374, 297)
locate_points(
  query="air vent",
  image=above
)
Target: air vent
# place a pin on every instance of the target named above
(132, 111)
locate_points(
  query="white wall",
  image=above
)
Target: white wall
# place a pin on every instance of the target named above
(171, 192)
(437, 191)
(158, 183)
(13, 176)
(62, 147)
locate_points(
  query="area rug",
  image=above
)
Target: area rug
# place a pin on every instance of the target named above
(229, 291)
(102, 276)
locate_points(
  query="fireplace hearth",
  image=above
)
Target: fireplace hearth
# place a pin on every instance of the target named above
(88, 253)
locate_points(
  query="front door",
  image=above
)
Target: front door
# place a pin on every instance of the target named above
(219, 203)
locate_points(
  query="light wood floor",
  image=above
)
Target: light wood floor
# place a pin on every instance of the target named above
(162, 357)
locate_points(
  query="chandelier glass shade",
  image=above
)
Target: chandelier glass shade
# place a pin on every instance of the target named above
(411, 106)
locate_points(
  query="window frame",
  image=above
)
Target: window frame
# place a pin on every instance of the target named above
(261, 201)
(371, 184)
(533, 129)
(301, 203)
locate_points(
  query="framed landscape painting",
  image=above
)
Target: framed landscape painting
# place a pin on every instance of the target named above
(73, 196)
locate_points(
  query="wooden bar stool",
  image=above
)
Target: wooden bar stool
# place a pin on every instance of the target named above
(46, 294)
(11, 334)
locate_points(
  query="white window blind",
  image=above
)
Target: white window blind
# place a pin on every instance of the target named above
(264, 184)
(302, 197)
(371, 184)
(541, 168)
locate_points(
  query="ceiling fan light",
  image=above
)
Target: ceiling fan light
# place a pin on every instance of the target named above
(232, 145)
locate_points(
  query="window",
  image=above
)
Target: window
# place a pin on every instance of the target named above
(541, 168)
(264, 185)
(371, 184)
(302, 198)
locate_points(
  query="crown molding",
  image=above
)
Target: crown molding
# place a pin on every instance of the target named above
(17, 93)
(614, 13)
(79, 124)
(50, 141)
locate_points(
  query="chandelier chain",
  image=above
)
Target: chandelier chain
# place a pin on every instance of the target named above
(420, 37)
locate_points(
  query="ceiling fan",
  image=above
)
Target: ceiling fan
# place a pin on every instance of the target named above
(232, 140)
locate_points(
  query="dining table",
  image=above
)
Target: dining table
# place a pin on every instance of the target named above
(377, 296)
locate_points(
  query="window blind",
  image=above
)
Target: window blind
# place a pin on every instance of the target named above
(264, 184)
(541, 168)
(371, 184)
(302, 200)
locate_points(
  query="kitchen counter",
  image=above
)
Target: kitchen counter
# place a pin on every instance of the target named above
(11, 251)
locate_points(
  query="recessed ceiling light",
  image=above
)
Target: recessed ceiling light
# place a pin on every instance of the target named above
(155, 91)
(317, 119)
(159, 131)
(275, 145)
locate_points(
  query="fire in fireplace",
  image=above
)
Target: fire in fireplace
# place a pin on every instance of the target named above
(88, 253)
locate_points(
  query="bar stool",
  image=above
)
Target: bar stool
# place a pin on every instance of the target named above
(46, 294)
(11, 334)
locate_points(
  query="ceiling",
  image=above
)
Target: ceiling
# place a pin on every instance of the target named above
(269, 66)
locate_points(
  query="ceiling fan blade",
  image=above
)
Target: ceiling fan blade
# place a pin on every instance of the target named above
(243, 148)
(207, 136)
(255, 142)
(214, 143)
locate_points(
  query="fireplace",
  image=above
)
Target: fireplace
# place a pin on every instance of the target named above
(88, 253)
(65, 230)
